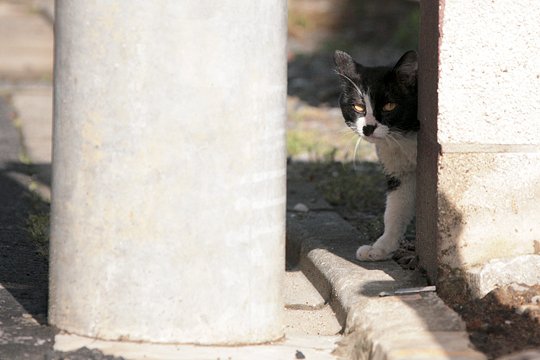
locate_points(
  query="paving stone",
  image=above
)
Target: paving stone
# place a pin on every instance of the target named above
(312, 322)
(26, 43)
(300, 293)
(33, 114)
(33, 108)
(293, 347)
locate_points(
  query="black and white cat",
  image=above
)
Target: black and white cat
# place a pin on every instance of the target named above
(380, 105)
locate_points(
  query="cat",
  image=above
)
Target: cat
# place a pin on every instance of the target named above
(380, 105)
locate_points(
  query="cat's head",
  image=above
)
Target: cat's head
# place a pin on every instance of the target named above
(378, 101)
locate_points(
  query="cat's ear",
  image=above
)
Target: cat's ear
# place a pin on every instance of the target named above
(345, 64)
(406, 69)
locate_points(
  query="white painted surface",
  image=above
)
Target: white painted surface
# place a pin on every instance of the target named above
(489, 74)
(169, 170)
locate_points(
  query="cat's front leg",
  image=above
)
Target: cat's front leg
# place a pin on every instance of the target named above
(397, 215)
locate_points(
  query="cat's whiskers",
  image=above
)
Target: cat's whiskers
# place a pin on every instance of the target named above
(347, 131)
(392, 136)
(352, 82)
(348, 137)
(356, 152)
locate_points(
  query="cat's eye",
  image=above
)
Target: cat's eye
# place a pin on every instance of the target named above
(389, 106)
(359, 108)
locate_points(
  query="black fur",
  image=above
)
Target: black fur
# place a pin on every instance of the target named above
(386, 84)
(392, 183)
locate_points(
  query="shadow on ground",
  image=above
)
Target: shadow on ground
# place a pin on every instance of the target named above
(23, 258)
(497, 324)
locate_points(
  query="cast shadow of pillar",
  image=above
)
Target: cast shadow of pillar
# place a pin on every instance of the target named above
(24, 220)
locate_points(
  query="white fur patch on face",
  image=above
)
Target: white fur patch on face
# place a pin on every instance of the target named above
(369, 119)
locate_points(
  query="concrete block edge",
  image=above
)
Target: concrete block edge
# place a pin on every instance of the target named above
(361, 341)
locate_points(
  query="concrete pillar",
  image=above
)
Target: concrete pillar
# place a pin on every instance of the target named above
(479, 148)
(169, 170)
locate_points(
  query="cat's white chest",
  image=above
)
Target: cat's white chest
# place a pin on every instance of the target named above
(398, 156)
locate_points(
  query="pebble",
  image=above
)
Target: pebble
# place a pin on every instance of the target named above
(301, 208)
(523, 309)
(518, 287)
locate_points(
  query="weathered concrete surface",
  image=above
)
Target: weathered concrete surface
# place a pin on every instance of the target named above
(311, 330)
(488, 207)
(176, 206)
(23, 291)
(523, 269)
(295, 347)
(321, 322)
(397, 327)
(478, 154)
(301, 294)
(310, 324)
(306, 311)
(489, 83)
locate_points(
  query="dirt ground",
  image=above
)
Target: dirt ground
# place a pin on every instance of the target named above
(327, 153)
(506, 320)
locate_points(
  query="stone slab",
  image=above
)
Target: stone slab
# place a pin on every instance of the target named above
(524, 269)
(26, 43)
(293, 347)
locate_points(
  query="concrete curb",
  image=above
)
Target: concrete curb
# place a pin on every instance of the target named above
(397, 327)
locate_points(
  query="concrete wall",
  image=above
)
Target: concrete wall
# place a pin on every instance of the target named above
(168, 207)
(483, 150)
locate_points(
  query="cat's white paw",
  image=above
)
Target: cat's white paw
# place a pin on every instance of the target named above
(370, 253)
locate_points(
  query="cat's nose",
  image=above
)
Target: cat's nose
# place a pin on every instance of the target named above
(368, 129)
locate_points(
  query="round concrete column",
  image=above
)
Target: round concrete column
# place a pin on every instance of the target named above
(168, 211)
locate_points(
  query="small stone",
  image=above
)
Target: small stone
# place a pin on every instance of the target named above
(524, 309)
(518, 287)
(299, 355)
(301, 207)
